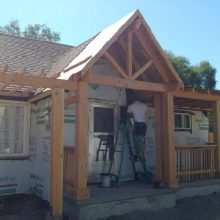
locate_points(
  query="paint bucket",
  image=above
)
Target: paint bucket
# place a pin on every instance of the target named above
(105, 180)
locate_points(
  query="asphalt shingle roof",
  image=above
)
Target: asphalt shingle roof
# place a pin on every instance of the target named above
(34, 55)
(18, 52)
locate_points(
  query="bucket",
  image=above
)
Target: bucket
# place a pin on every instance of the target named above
(105, 180)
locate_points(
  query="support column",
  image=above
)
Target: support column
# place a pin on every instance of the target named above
(80, 190)
(216, 126)
(169, 153)
(57, 136)
(158, 134)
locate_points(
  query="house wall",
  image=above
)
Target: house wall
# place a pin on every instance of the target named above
(40, 139)
(14, 176)
(199, 134)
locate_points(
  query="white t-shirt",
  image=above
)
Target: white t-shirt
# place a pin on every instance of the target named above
(138, 110)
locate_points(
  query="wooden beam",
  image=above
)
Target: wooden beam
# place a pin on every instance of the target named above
(125, 83)
(36, 81)
(142, 69)
(80, 190)
(169, 153)
(40, 96)
(16, 88)
(114, 63)
(158, 135)
(216, 122)
(196, 95)
(57, 148)
(156, 62)
(129, 59)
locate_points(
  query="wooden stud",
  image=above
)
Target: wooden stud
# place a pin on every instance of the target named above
(158, 135)
(142, 69)
(169, 153)
(126, 83)
(57, 146)
(80, 190)
(114, 63)
(129, 60)
(216, 122)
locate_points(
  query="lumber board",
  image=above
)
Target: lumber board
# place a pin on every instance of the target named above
(57, 152)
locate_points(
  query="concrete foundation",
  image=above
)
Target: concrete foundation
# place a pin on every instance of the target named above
(132, 196)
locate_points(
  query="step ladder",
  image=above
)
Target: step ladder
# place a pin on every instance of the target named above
(130, 139)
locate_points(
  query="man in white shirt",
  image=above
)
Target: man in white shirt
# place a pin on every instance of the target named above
(138, 112)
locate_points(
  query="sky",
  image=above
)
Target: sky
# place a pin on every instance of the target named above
(188, 28)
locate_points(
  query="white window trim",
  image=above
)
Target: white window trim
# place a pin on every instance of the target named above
(182, 119)
(26, 130)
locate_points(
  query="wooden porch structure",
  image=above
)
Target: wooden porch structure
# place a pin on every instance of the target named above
(140, 65)
(196, 162)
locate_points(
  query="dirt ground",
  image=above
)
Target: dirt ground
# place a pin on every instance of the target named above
(23, 207)
(196, 208)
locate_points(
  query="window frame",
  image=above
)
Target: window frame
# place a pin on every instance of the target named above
(183, 115)
(26, 129)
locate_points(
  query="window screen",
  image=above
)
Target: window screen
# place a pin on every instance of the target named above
(103, 120)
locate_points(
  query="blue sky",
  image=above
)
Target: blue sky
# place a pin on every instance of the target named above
(189, 28)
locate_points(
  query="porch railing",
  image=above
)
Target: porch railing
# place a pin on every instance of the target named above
(68, 168)
(196, 162)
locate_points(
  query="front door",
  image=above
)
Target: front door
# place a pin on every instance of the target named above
(102, 126)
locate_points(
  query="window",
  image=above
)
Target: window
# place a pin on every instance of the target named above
(103, 120)
(182, 121)
(14, 127)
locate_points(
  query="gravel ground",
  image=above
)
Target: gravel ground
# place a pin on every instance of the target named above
(196, 208)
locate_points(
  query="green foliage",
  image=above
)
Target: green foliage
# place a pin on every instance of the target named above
(197, 76)
(36, 31)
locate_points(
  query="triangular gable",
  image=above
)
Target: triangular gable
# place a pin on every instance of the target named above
(97, 47)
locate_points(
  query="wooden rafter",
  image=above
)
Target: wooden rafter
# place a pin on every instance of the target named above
(40, 96)
(115, 64)
(142, 69)
(156, 62)
(129, 60)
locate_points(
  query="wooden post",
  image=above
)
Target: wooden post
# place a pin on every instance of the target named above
(216, 123)
(158, 134)
(169, 153)
(80, 190)
(57, 134)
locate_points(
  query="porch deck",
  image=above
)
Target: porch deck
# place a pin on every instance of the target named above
(132, 196)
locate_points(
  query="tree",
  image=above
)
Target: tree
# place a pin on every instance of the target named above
(36, 31)
(197, 76)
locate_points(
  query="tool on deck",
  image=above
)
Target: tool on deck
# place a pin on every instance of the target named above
(130, 140)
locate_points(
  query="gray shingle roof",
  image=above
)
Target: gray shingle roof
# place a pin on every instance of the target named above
(32, 54)
(66, 58)
(19, 52)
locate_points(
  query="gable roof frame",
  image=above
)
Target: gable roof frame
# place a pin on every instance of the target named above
(98, 47)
